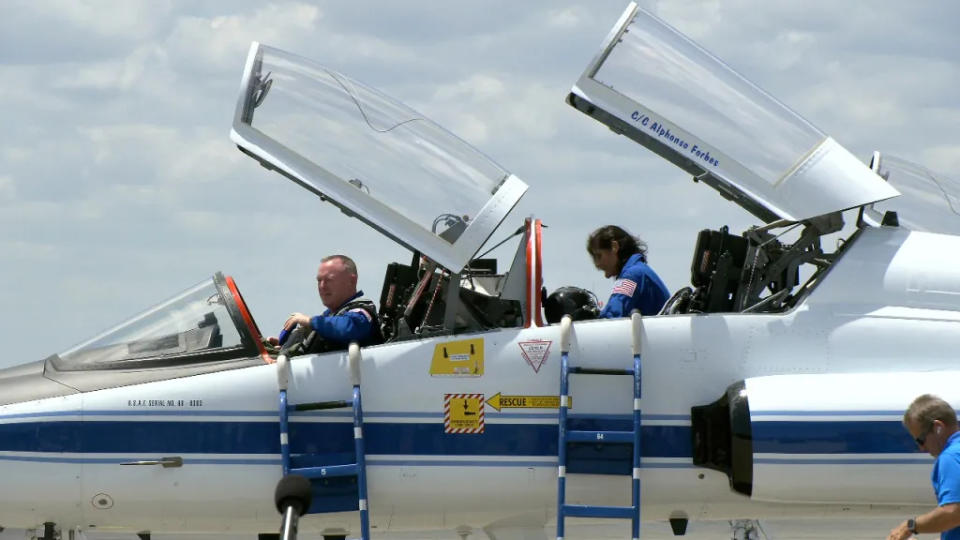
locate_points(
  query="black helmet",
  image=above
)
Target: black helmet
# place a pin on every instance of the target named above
(579, 303)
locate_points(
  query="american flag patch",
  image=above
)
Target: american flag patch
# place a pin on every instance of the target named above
(363, 311)
(625, 287)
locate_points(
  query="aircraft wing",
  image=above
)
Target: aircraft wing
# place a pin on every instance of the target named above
(652, 84)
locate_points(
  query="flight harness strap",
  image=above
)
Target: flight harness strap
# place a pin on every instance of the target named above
(566, 435)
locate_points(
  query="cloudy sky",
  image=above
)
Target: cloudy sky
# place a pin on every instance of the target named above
(119, 186)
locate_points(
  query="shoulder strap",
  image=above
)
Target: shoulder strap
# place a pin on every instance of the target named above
(371, 309)
(361, 303)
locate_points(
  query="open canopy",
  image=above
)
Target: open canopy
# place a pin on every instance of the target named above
(653, 84)
(373, 157)
(930, 200)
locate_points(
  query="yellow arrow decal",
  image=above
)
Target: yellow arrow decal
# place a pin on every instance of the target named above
(499, 401)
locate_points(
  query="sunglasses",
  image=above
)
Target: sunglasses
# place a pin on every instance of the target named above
(922, 439)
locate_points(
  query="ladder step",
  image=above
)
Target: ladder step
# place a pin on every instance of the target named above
(327, 472)
(600, 437)
(614, 512)
(322, 405)
(600, 371)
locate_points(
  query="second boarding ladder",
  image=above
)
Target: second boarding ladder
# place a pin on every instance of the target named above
(566, 435)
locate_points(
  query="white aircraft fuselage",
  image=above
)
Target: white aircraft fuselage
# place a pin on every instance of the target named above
(773, 387)
(831, 374)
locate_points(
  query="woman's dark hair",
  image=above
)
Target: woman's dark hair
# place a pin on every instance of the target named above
(604, 237)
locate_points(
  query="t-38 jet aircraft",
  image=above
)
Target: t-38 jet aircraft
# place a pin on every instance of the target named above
(771, 387)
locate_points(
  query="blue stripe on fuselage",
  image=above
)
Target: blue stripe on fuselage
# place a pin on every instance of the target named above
(231, 437)
(389, 438)
(832, 437)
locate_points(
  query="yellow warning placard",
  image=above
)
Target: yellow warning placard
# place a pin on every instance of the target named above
(499, 401)
(462, 358)
(463, 413)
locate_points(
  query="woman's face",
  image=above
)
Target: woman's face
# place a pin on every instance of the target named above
(606, 260)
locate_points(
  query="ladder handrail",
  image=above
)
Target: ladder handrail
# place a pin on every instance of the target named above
(636, 325)
(566, 328)
(283, 372)
(353, 359)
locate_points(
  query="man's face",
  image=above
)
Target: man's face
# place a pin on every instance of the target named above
(932, 436)
(335, 283)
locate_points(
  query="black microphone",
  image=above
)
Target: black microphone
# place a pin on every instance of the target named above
(292, 498)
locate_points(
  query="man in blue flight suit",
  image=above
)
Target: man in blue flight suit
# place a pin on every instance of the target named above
(619, 254)
(932, 423)
(349, 316)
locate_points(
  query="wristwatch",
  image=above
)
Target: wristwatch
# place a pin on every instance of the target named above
(912, 525)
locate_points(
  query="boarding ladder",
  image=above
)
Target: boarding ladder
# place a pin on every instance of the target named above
(357, 469)
(566, 435)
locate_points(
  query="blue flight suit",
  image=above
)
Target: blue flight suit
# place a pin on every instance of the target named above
(356, 320)
(637, 287)
(946, 480)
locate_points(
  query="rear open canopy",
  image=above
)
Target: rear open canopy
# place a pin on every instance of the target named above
(653, 84)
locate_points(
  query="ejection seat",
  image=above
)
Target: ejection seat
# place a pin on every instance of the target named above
(423, 299)
(715, 274)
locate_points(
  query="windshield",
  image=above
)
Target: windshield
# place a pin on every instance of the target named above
(929, 201)
(197, 322)
(385, 162)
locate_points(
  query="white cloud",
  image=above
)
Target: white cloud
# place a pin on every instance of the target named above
(218, 43)
(107, 138)
(128, 19)
(696, 21)
(8, 189)
(31, 211)
(115, 74)
(31, 91)
(478, 87)
(470, 127)
(567, 18)
(24, 252)
(203, 158)
(170, 154)
(192, 220)
(15, 153)
(944, 159)
(482, 104)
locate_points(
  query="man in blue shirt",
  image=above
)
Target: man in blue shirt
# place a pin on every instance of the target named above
(349, 316)
(933, 424)
(619, 254)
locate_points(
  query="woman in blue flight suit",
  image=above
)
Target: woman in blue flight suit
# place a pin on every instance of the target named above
(620, 255)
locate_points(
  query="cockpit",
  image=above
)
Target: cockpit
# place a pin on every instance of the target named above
(655, 86)
(397, 171)
(394, 169)
(431, 192)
